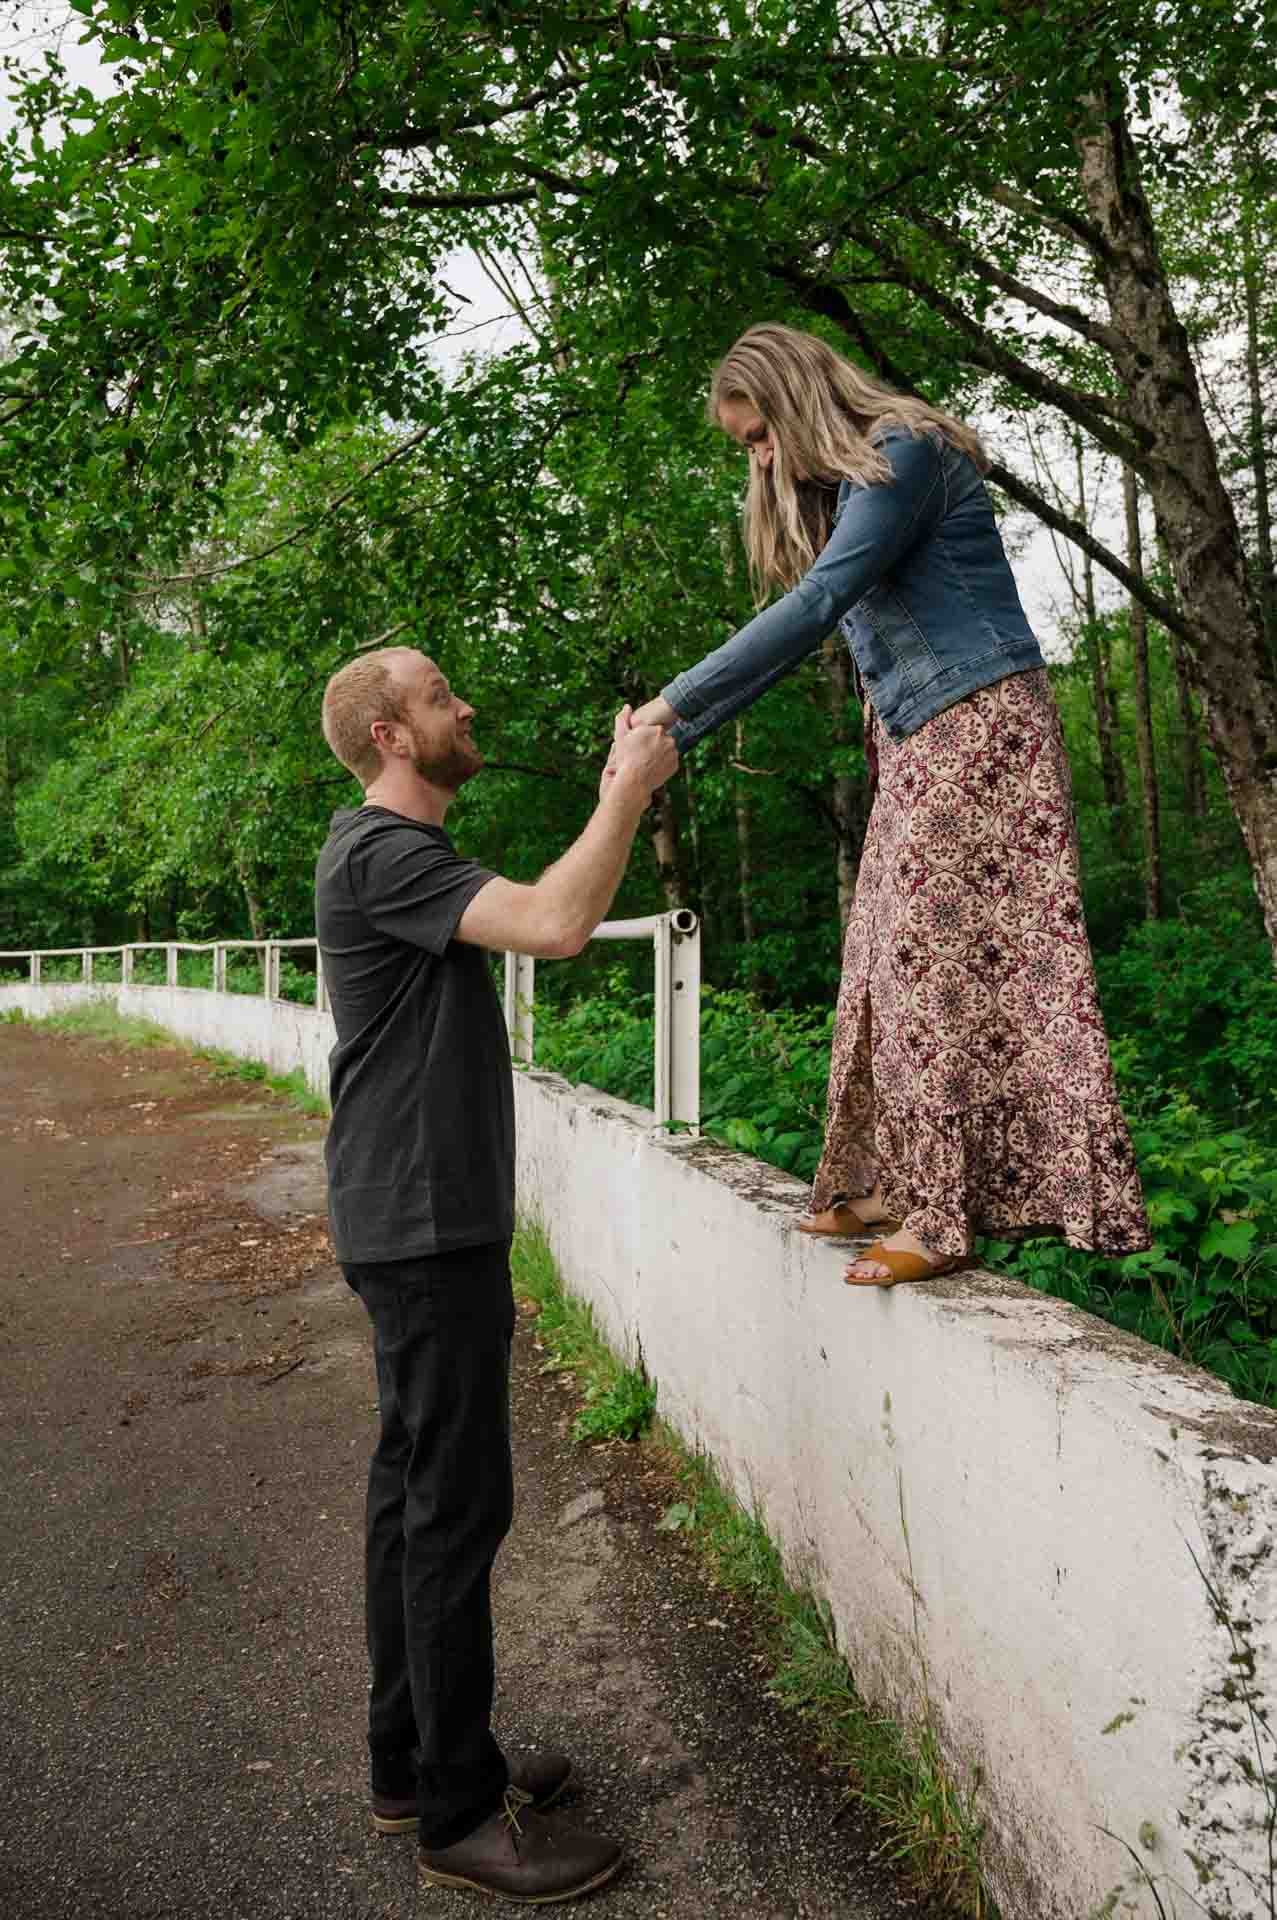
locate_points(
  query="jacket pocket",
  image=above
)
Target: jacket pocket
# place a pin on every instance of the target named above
(890, 646)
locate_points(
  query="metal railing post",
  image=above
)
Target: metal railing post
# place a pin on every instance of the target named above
(321, 985)
(685, 1019)
(270, 970)
(662, 1104)
(170, 954)
(126, 966)
(219, 967)
(520, 984)
(86, 966)
(35, 969)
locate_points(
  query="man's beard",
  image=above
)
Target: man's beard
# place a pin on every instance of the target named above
(449, 769)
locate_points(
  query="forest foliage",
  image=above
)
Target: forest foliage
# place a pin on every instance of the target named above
(236, 454)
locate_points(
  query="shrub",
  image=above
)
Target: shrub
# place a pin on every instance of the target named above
(1192, 1005)
(1207, 1288)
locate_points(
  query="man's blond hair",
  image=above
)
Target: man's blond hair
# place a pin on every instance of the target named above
(358, 694)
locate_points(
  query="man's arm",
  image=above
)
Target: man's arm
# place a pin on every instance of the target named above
(553, 919)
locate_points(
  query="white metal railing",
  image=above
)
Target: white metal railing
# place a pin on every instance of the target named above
(269, 950)
(676, 943)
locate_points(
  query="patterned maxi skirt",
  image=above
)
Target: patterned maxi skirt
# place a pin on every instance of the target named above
(970, 1068)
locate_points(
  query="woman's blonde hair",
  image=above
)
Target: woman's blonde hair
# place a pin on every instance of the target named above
(824, 415)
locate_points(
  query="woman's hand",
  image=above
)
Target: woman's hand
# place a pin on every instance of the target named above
(656, 713)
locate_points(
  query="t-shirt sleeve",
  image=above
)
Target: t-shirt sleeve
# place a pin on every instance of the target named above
(414, 887)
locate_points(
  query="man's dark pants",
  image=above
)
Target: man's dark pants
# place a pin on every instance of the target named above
(440, 1498)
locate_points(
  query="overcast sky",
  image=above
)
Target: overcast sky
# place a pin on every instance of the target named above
(485, 322)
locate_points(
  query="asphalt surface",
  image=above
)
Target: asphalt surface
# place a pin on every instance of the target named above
(186, 1410)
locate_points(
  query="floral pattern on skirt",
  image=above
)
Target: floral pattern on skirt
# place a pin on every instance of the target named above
(970, 1067)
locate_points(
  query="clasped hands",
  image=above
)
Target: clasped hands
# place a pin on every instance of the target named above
(653, 715)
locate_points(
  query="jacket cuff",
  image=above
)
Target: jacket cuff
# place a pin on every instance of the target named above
(683, 697)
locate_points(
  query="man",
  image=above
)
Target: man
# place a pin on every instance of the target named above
(421, 1191)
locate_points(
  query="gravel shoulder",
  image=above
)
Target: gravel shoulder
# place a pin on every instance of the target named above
(187, 1409)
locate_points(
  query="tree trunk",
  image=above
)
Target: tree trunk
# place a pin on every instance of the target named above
(1192, 767)
(248, 886)
(1229, 659)
(1194, 772)
(744, 856)
(1138, 617)
(846, 795)
(1258, 437)
(663, 827)
(695, 879)
(1112, 772)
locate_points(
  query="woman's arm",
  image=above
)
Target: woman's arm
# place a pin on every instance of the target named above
(877, 527)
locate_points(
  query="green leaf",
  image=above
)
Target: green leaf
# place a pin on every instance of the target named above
(1227, 1241)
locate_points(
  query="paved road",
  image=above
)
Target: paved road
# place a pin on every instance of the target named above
(186, 1408)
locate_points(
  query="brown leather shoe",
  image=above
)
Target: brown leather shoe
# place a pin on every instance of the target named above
(520, 1857)
(541, 1776)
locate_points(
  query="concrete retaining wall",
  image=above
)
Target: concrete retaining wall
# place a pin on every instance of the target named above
(1012, 1508)
(1051, 1538)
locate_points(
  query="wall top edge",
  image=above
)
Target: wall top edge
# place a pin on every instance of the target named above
(1143, 1385)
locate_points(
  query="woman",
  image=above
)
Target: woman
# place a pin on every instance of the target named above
(970, 1087)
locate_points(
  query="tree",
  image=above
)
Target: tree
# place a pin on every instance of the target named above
(972, 198)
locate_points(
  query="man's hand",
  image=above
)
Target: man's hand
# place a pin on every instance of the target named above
(556, 917)
(644, 757)
(656, 713)
(620, 727)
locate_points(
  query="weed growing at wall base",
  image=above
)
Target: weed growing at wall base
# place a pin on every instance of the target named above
(619, 1400)
(899, 1772)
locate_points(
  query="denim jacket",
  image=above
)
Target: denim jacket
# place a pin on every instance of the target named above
(915, 575)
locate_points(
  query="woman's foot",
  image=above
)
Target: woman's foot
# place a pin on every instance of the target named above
(849, 1218)
(901, 1256)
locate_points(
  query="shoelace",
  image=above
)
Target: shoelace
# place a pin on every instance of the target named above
(515, 1801)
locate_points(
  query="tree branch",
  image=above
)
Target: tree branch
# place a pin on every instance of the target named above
(396, 454)
(382, 639)
(538, 773)
(1093, 411)
(1087, 409)
(1026, 496)
(1096, 331)
(1059, 220)
(388, 197)
(410, 139)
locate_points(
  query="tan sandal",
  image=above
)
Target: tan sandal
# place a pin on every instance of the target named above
(903, 1266)
(843, 1223)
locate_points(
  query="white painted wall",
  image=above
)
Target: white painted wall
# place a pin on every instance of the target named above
(1001, 1497)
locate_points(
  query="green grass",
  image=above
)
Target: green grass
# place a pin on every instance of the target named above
(930, 1817)
(288, 1086)
(619, 1400)
(98, 1020)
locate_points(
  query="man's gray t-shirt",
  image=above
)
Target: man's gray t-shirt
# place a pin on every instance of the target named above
(421, 1147)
